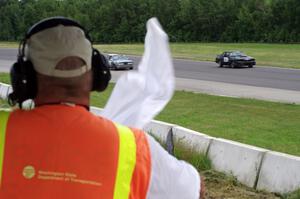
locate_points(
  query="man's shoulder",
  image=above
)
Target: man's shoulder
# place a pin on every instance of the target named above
(140, 136)
(137, 132)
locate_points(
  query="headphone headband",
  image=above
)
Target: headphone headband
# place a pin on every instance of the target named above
(52, 22)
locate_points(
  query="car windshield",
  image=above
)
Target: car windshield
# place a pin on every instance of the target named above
(237, 54)
(118, 57)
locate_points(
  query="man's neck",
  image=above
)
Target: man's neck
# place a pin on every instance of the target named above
(43, 100)
(64, 104)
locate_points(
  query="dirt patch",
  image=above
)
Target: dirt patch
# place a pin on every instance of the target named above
(220, 186)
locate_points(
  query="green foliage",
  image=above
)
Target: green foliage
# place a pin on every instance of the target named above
(113, 21)
(4, 104)
(4, 78)
(200, 161)
(293, 195)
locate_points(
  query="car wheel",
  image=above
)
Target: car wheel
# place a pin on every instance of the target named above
(130, 68)
(250, 66)
(232, 65)
(113, 67)
(220, 64)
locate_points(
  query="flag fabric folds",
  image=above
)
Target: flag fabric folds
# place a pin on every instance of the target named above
(140, 95)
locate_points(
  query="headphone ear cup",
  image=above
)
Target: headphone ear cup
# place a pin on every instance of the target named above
(101, 73)
(23, 81)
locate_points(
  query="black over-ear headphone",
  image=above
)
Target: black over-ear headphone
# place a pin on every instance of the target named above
(23, 75)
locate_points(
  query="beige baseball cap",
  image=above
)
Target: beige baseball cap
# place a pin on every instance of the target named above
(48, 47)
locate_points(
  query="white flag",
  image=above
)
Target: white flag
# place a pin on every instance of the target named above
(140, 95)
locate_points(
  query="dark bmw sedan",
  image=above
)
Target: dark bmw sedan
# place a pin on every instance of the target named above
(235, 59)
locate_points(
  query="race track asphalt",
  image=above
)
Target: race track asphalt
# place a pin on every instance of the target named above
(267, 83)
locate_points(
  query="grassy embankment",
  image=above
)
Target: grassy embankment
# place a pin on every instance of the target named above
(280, 55)
(8, 44)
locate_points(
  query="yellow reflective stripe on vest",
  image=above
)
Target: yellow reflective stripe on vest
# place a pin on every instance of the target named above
(126, 163)
(3, 122)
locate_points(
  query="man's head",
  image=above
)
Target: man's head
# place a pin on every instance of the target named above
(46, 48)
(65, 65)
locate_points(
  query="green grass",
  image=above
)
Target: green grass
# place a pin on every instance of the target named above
(4, 78)
(4, 104)
(7, 44)
(200, 161)
(293, 195)
(270, 125)
(280, 55)
(265, 124)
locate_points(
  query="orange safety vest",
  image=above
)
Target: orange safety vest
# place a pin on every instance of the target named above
(59, 151)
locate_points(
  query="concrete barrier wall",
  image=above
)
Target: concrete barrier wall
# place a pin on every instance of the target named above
(240, 160)
(159, 129)
(4, 90)
(279, 173)
(9, 91)
(197, 142)
(270, 171)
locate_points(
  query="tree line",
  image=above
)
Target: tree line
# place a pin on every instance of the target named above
(123, 21)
